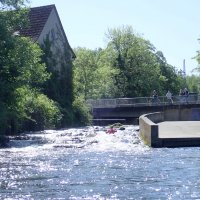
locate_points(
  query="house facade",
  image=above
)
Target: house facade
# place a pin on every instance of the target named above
(45, 27)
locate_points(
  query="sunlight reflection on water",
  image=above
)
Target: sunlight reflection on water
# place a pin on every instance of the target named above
(89, 164)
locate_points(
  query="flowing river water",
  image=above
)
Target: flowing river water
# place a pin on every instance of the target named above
(87, 163)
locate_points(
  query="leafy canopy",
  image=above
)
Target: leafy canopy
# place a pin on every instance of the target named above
(129, 66)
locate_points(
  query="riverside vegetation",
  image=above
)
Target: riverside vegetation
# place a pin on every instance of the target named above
(129, 66)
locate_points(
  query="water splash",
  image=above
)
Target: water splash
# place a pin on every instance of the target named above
(92, 138)
(123, 140)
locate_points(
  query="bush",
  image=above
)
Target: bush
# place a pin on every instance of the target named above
(43, 113)
(35, 111)
(82, 112)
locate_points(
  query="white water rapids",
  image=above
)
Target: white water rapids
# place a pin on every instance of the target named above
(93, 138)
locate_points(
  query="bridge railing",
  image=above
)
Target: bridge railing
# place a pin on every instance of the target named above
(143, 101)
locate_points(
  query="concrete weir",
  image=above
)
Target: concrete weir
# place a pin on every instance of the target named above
(171, 128)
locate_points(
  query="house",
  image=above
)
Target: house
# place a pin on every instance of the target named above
(45, 27)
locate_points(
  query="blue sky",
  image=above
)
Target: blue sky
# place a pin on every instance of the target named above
(172, 26)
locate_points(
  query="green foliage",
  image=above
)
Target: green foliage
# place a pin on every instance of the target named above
(142, 69)
(84, 76)
(82, 114)
(93, 74)
(197, 57)
(173, 81)
(22, 75)
(129, 66)
(12, 4)
(193, 83)
(35, 110)
(59, 85)
(4, 118)
(26, 54)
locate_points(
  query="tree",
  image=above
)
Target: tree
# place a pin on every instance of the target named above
(173, 81)
(106, 74)
(193, 83)
(85, 72)
(12, 4)
(129, 66)
(93, 74)
(21, 75)
(136, 61)
(9, 23)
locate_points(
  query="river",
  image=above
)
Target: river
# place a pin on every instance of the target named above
(87, 163)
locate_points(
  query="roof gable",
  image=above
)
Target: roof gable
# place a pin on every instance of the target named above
(38, 17)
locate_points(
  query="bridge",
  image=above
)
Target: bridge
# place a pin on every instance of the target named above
(128, 110)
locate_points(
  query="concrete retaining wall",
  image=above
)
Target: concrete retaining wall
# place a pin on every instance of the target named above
(183, 114)
(149, 130)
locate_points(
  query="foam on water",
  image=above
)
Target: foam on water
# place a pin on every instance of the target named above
(92, 138)
(122, 140)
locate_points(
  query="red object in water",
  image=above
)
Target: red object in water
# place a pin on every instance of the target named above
(111, 131)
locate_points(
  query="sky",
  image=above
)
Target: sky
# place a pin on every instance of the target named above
(172, 26)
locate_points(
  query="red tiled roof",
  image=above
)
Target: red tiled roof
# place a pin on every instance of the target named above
(37, 18)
